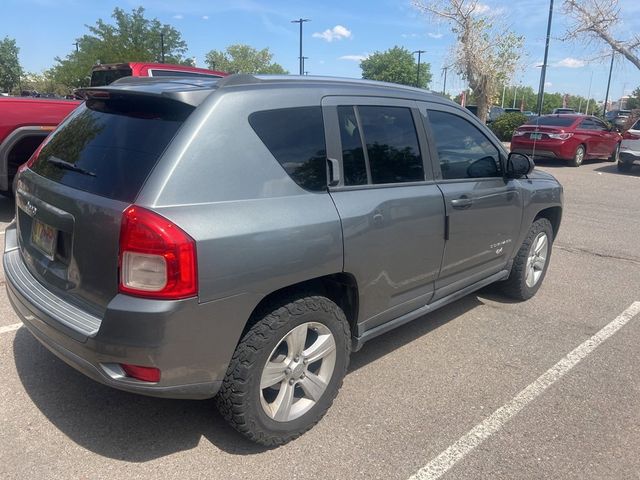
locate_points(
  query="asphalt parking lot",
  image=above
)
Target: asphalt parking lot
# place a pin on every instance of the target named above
(483, 388)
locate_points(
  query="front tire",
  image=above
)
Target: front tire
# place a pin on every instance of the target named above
(578, 157)
(286, 370)
(531, 263)
(623, 166)
(615, 156)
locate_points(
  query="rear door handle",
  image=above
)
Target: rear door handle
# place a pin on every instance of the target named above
(461, 203)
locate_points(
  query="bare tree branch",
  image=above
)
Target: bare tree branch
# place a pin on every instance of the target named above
(595, 20)
(485, 55)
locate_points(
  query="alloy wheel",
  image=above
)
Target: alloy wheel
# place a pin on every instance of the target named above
(537, 259)
(298, 371)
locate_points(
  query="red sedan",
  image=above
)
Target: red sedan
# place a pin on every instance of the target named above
(567, 137)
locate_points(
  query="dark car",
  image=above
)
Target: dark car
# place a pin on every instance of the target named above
(241, 237)
(567, 137)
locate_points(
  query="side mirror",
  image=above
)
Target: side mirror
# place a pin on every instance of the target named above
(519, 165)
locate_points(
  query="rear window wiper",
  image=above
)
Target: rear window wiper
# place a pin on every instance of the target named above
(68, 166)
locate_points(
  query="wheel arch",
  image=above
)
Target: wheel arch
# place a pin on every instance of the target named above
(554, 215)
(22, 137)
(341, 288)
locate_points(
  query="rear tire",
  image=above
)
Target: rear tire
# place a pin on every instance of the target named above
(531, 263)
(286, 370)
(578, 157)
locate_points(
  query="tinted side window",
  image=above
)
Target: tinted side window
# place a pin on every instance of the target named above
(392, 144)
(295, 137)
(355, 169)
(587, 125)
(463, 150)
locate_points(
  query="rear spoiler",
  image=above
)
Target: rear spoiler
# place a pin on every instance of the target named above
(184, 90)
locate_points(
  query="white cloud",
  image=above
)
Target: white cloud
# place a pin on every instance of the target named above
(205, 17)
(353, 58)
(178, 16)
(410, 35)
(548, 84)
(570, 62)
(482, 8)
(336, 33)
(435, 35)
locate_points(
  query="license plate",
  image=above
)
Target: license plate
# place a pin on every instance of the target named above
(535, 136)
(44, 238)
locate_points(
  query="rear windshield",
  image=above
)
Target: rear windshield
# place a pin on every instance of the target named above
(109, 147)
(552, 121)
(100, 78)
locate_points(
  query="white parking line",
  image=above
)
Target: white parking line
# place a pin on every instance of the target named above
(456, 452)
(10, 328)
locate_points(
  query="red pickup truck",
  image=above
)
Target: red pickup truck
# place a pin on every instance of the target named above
(24, 123)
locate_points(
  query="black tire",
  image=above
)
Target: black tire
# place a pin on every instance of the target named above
(578, 157)
(624, 167)
(240, 397)
(516, 285)
(615, 155)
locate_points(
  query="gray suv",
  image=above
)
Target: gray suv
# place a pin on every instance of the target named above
(240, 237)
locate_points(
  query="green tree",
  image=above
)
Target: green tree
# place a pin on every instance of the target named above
(131, 37)
(396, 65)
(240, 58)
(10, 69)
(634, 100)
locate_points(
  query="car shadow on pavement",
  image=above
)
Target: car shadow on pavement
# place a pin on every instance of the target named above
(7, 209)
(118, 424)
(613, 168)
(136, 428)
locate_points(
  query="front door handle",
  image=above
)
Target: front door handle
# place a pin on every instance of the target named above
(462, 203)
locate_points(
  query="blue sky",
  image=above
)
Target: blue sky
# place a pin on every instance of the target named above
(339, 34)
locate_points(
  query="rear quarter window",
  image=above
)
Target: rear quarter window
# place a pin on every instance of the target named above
(295, 137)
(109, 147)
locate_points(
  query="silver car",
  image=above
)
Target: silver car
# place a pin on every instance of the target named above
(239, 237)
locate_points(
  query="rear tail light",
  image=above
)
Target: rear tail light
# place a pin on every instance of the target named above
(560, 136)
(146, 374)
(157, 259)
(631, 136)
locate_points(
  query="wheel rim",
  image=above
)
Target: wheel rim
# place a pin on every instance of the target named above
(579, 155)
(537, 259)
(297, 372)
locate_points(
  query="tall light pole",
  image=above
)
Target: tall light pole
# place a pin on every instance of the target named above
(303, 59)
(543, 73)
(161, 47)
(419, 52)
(444, 87)
(606, 96)
(300, 58)
(504, 90)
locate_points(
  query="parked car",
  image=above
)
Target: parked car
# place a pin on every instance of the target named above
(618, 117)
(105, 74)
(24, 124)
(567, 137)
(512, 110)
(241, 237)
(630, 148)
(563, 111)
(494, 113)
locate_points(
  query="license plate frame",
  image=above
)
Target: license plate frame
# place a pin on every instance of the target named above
(43, 238)
(535, 136)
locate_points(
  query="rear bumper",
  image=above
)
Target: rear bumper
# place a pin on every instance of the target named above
(537, 153)
(191, 343)
(560, 149)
